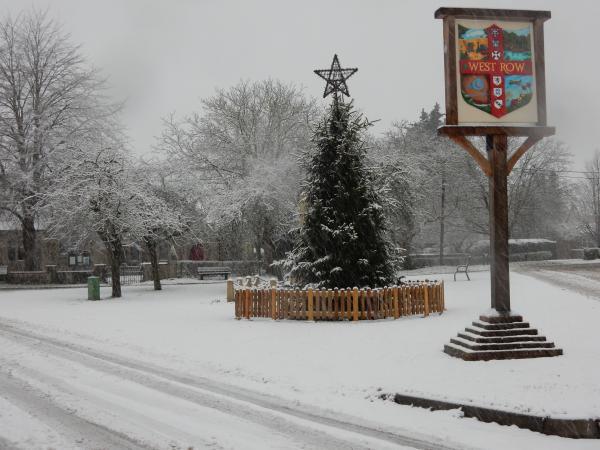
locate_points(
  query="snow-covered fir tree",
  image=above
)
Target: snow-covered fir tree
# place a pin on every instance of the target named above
(341, 242)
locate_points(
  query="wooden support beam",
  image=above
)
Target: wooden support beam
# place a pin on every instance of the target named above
(475, 154)
(514, 158)
(497, 148)
(487, 130)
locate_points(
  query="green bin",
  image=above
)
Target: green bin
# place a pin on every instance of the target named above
(93, 288)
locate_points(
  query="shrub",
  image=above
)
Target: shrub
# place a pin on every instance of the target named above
(591, 253)
(517, 246)
(531, 256)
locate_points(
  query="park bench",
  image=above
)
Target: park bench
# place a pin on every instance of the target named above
(203, 271)
(463, 268)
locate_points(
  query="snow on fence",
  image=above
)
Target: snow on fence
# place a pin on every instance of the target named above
(412, 298)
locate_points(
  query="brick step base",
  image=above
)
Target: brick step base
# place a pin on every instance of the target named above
(500, 326)
(508, 332)
(500, 337)
(495, 339)
(488, 355)
(505, 318)
(501, 345)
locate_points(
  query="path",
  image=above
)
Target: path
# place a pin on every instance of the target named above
(583, 278)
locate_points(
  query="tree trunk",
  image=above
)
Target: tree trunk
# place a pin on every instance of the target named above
(29, 242)
(115, 253)
(151, 246)
(598, 230)
(115, 271)
(596, 193)
(442, 218)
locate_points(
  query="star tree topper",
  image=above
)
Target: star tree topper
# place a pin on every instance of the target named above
(336, 78)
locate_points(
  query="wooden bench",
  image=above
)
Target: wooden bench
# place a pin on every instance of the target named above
(463, 268)
(203, 271)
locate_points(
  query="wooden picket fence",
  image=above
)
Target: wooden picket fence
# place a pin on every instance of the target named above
(412, 298)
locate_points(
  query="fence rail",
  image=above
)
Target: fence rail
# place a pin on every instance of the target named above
(341, 304)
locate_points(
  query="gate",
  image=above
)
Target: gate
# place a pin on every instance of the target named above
(130, 275)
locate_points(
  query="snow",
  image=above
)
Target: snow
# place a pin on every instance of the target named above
(337, 367)
(531, 241)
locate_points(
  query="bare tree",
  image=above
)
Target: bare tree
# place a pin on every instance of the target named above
(164, 212)
(588, 210)
(451, 192)
(49, 97)
(95, 195)
(242, 149)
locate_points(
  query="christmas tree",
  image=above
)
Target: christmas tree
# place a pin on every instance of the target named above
(341, 242)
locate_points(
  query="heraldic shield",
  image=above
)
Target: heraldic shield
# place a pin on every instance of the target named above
(495, 68)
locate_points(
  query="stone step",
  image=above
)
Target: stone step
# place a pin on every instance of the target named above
(501, 319)
(500, 326)
(501, 346)
(500, 339)
(512, 332)
(486, 355)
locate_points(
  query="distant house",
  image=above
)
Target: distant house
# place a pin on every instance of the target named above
(53, 252)
(12, 252)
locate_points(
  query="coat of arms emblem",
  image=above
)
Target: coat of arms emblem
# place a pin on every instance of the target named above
(495, 68)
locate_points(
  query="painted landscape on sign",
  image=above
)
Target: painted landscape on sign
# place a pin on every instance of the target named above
(496, 68)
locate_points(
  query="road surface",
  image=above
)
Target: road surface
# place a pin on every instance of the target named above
(57, 394)
(579, 276)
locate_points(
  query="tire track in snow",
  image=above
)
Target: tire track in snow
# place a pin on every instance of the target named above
(578, 281)
(259, 408)
(82, 432)
(5, 444)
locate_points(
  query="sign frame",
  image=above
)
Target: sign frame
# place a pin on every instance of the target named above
(498, 164)
(536, 18)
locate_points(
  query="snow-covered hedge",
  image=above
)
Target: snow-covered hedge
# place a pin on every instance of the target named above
(591, 253)
(517, 246)
(531, 256)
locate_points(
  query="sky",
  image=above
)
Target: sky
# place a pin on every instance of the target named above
(163, 57)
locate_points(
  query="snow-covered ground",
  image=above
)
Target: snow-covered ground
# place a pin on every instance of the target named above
(174, 368)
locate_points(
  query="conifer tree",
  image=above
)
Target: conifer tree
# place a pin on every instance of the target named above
(341, 242)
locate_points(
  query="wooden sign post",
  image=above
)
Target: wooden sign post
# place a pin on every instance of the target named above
(495, 87)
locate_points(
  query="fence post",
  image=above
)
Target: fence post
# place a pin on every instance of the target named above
(355, 304)
(309, 311)
(247, 302)
(237, 305)
(443, 298)
(230, 291)
(273, 301)
(426, 299)
(396, 311)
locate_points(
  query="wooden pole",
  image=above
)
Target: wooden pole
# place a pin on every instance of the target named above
(355, 304)
(426, 299)
(497, 148)
(309, 312)
(230, 291)
(247, 303)
(443, 297)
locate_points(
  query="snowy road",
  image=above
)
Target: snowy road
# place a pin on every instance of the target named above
(69, 396)
(581, 278)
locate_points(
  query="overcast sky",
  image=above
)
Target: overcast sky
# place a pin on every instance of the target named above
(164, 56)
